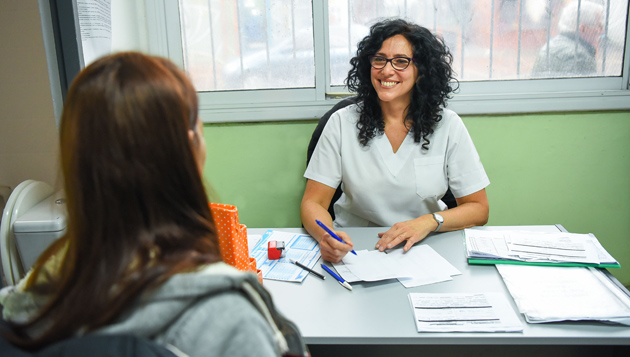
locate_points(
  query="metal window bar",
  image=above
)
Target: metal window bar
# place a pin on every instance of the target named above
(434, 17)
(349, 7)
(214, 62)
(577, 25)
(293, 27)
(605, 38)
(520, 34)
(267, 33)
(549, 18)
(463, 31)
(240, 36)
(491, 39)
(184, 35)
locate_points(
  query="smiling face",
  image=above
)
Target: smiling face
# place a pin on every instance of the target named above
(393, 86)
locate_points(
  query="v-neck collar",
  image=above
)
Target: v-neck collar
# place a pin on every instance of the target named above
(394, 160)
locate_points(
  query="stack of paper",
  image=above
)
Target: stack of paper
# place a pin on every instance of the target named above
(421, 265)
(547, 294)
(477, 312)
(489, 246)
(299, 247)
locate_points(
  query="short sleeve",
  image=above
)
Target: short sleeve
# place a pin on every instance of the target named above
(466, 174)
(325, 164)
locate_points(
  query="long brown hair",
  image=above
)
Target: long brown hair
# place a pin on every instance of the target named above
(137, 208)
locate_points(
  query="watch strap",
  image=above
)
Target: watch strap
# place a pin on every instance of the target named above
(439, 219)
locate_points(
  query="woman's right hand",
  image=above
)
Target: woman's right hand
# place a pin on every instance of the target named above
(315, 202)
(333, 250)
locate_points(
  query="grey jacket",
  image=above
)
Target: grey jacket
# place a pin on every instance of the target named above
(217, 311)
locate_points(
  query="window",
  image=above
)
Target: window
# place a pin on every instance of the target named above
(287, 59)
(252, 44)
(502, 39)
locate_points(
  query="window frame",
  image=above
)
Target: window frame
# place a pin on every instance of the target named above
(472, 98)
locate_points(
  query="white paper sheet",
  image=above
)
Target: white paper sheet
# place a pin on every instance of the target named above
(252, 241)
(559, 247)
(486, 244)
(463, 312)
(424, 264)
(555, 247)
(374, 266)
(547, 293)
(421, 265)
(95, 23)
(299, 247)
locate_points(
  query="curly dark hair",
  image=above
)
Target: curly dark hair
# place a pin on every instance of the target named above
(429, 94)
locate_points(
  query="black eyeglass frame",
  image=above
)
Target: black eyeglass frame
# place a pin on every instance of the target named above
(391, 61)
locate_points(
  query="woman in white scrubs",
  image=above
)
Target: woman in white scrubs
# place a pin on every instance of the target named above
(397, 151)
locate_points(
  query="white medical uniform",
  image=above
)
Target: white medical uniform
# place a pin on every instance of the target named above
(380, 187)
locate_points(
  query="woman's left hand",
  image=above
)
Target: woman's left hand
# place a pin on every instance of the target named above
(471, 210)
(411, 231)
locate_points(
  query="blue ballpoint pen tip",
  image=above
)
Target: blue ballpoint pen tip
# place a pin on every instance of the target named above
(332, 234)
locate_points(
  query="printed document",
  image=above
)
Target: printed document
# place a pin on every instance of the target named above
(463, 312)
(548, 293)
(95, 23)
(560, 247)
(299, 247)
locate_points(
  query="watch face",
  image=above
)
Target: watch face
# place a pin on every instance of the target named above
(438, 217)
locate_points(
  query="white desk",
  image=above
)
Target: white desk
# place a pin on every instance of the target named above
(375, 317)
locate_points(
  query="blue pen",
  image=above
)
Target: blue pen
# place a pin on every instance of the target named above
(339, 279)
(332, 234)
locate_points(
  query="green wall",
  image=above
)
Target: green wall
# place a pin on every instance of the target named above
(569, 168)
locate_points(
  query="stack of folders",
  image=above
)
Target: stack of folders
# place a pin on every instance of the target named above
(536, 248)
(549, 294)
(553, 276)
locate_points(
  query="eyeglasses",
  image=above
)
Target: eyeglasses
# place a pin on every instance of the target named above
(399, 63)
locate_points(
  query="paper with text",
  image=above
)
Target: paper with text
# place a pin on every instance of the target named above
(95, 24)
(536, 247)
(547, 294)
(299, 247)
(463, 312)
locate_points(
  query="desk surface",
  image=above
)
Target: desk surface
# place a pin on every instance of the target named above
(379, 313)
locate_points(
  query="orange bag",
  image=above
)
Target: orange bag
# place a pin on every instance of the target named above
(233, 238)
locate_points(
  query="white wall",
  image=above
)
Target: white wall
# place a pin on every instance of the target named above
(28, 135)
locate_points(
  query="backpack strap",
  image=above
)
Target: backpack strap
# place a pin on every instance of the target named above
(286, 333)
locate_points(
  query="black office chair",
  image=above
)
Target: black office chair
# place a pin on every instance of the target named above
(448, 198)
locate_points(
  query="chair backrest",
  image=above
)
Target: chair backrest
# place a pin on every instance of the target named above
(448, 198)
(315, 138)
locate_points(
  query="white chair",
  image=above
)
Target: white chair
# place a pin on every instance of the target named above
(26, 195)
(5, 191)
(5, 267)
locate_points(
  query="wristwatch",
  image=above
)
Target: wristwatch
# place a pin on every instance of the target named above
(439, 219)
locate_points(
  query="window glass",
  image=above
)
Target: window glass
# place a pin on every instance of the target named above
(498, 39)
(248, 44)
